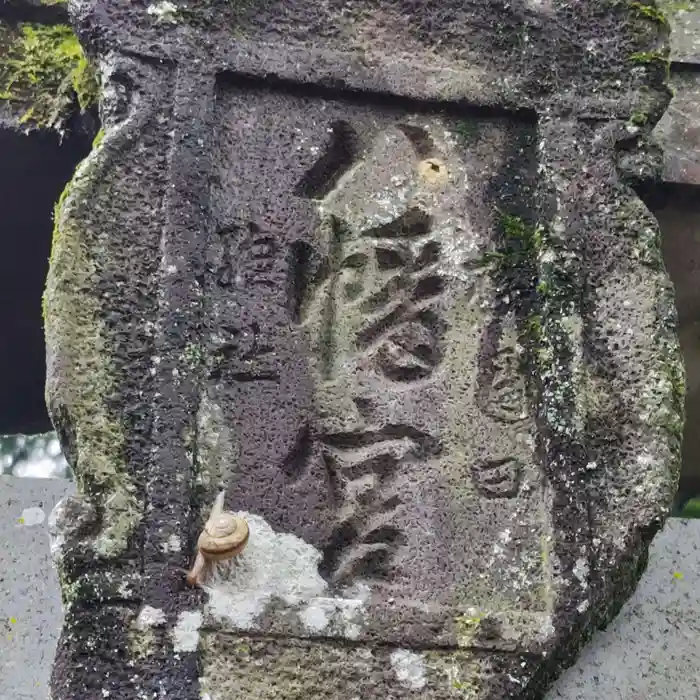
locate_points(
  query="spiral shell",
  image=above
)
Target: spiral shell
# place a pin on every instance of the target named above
(224, 536)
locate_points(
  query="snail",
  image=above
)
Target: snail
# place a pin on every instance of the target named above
(224, 536)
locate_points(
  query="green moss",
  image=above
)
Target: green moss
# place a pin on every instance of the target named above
(639, 119)
(649, 11)
(467, 627)
(75, 337)
(521, 244)
(645, 57)
(98, 138)
(46, 72)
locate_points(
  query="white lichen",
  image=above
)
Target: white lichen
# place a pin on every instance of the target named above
(185, 634)
(409, 668)
(163, 12)
(341, 616)
(581, 571)
(273, 565)
(172, 544)
(280, 567)
(150, 617)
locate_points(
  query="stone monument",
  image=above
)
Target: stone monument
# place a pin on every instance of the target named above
(376, 273)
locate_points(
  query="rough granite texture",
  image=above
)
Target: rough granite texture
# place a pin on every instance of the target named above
(378, 271)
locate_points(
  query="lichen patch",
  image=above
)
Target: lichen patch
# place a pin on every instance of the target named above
(281, 567)
(273, 565)
(409, 668)
(185, 634)
(150, 617)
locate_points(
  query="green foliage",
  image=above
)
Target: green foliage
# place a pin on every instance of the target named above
(514, 228)
(645, 57)
(45, 69)
(691, 509)
(649, 58)
(98, 138)
(639, 119)
(650, 12)
(522, 243)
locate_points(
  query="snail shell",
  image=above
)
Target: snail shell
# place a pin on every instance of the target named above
(224, 536)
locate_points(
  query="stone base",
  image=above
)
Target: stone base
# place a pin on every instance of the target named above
(245, 668)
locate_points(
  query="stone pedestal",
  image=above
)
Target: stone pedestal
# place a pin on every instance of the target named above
(377, 272)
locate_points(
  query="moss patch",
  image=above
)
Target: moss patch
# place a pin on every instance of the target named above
(45, 72)
(649, 11)
(75, 337)
(648, 57)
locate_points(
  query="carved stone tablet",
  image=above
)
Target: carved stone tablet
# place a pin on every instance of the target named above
(375, 271)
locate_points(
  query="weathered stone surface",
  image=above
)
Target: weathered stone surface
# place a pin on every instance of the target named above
(417, 329)
(678, 133)
(684, 22)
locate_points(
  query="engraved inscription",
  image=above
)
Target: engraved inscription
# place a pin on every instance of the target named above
(365, 476)
(363, 539)
(386, 280)
(501, 391)
(242, 354)
(244, 259)
(370, 295)
(247, 258)
(340, 154)
(501, 395)
(497, 478)
(297, 461)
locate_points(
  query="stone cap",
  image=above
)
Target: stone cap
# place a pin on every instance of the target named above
(592, 60)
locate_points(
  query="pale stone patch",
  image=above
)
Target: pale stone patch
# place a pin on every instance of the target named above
(185, 634)
(409, 668)
(32, 516)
